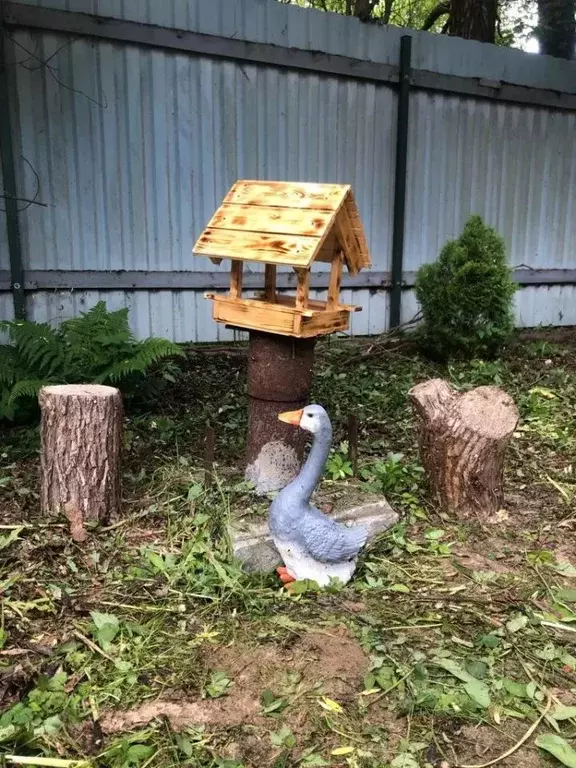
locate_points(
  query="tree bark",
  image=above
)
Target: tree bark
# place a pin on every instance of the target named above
(474, 19)
(81, 434)
(437, 12)
(363, 9)
(557, 28)
(463, 440)
(279, 379)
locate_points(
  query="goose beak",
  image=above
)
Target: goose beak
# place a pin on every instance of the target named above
(291, 417)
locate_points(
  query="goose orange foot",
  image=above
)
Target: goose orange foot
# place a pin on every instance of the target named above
(285, 577)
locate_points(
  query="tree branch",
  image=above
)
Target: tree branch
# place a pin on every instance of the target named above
(440, 10)
(387, 11)
(6, 196)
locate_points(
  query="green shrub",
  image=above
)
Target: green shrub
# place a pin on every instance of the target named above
(98, 347)
(466, 296)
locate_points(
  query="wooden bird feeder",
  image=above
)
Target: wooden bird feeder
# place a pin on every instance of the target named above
(285, 224)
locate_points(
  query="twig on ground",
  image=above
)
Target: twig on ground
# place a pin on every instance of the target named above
(49, 762)
(518, 744)
(126, 521)
(555, 625)
(391, 688)
(91, 645)
(384, 339)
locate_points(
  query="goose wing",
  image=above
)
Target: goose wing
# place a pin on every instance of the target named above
(328, 541)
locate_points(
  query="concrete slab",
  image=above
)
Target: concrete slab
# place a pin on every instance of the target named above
(252, 544)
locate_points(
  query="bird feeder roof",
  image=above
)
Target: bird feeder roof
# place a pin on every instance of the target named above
(286, 224)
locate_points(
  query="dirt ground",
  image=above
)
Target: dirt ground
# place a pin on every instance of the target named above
(146, 645)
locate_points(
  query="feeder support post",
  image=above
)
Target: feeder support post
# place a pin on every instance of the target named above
(270, 282)
(335, 278)
(302, 288)
(236, 279)
(279, 379)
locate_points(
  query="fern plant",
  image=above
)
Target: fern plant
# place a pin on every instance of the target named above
(97, 347)
(467, 295)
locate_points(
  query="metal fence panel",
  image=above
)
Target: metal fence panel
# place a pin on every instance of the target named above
(515, 166)
(139, 147)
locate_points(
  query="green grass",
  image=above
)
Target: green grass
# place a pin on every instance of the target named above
(449, 641)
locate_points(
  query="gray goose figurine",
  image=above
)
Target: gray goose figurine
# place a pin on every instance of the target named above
(312, 546)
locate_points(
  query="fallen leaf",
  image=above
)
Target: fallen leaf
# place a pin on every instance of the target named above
(558, 747)
(561, 712)
(478, 692)
(566, 595)
(514, 625)
(330, 705)
(399, 588)
(454, 668)
(342, 751)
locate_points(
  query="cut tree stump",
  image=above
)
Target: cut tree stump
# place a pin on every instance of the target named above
(463, 440)
(82, 434)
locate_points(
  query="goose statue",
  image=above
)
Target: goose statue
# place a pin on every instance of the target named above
(312, 546)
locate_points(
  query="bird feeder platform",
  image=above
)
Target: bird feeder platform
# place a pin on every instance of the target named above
(286, 225)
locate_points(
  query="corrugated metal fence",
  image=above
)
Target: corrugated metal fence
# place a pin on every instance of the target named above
(130, 135)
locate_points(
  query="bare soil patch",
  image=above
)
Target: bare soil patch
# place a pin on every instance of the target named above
(335, 661)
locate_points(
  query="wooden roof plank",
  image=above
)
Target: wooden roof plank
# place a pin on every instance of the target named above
(356, 222)
(347, 242)
(323, 197)
(273, 220)
(290, 250)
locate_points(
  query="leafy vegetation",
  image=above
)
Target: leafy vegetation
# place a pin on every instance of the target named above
(466, 296)
(148, 645)
(97, 347)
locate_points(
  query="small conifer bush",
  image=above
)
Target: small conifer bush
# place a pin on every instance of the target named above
(467, 296)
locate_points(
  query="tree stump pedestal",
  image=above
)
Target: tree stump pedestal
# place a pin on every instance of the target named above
(81, 434)
(463, 440)
(279, 379)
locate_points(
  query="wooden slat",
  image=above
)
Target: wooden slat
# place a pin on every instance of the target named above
(323, 197)
(245, 315)
(314, 305)
(222, 298)
(326, 322)
(335, 277)
(270, 282)
(289, 303)
(356, 222)
(348, 241)
(329, 247)
(290, 250)
(302, 289)
(271, 220)
(236, 279)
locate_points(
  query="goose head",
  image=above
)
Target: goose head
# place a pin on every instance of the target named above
(312, 418)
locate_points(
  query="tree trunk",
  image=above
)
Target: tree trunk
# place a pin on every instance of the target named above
(80, 463)
(473, 19)
(463, 439)
(557, 28)
(363, 9)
